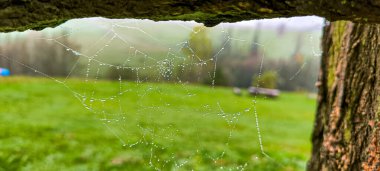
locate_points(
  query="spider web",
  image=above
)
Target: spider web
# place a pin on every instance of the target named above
(143, 111)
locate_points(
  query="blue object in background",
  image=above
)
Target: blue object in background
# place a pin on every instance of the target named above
(4, 72)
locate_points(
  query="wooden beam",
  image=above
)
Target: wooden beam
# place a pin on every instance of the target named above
(38, 14)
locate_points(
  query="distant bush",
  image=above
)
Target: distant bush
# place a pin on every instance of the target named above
(123, 73)
(266, 80)
(216, 77)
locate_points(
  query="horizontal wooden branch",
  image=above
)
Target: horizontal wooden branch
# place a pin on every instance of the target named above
(38, 14)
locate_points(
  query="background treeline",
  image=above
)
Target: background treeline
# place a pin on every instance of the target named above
(29, 52)
(237, 64)
(297, 72)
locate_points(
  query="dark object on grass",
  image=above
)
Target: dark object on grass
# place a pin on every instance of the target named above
(272, 93)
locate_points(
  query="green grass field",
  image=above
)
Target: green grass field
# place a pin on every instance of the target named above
(46, 126)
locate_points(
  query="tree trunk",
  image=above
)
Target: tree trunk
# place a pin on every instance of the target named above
(347, 128)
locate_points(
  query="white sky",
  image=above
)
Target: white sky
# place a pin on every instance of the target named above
(304, 23)
(295, 23)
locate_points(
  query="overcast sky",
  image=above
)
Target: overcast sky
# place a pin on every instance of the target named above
(294, 23)
(305, 23)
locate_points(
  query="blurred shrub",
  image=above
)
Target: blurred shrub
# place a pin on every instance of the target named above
(219, 80)
(267, 80)
(123, 73)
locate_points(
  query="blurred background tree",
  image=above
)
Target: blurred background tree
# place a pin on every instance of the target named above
(46, 56)
(199, 51)
(267, 80)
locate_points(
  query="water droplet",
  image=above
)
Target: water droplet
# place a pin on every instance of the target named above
(76, 53)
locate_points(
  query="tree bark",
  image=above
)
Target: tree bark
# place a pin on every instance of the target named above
(347, 128)
(38, 14)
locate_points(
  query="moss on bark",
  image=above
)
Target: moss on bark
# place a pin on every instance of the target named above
(38, 14)
(347, 128)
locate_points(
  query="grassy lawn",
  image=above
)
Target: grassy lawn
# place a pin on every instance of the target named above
(107, 125)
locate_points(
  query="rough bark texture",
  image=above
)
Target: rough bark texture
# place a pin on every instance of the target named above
(347, 127)
(38, 14)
